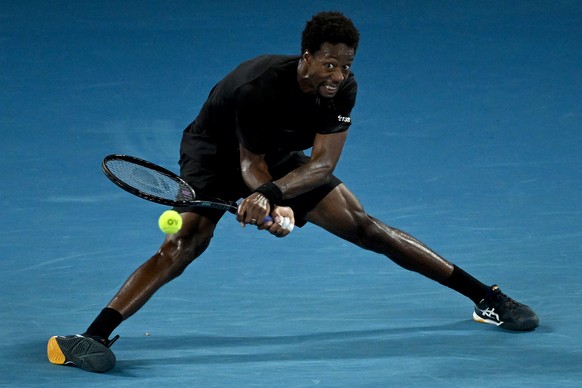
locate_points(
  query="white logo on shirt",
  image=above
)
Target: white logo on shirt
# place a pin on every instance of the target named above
(344, 119)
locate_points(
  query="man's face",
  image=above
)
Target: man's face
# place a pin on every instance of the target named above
(327, 68)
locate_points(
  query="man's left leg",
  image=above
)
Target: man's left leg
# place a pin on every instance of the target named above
(341, 213)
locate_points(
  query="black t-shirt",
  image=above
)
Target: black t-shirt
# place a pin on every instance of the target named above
(260, 106)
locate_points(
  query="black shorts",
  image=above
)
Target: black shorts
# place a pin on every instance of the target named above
(212, 179)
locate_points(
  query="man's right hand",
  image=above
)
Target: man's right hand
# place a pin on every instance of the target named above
(253, 210)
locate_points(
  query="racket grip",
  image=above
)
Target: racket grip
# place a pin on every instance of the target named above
(267, 219)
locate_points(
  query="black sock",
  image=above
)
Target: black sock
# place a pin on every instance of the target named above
(466, 284)
(107, 320)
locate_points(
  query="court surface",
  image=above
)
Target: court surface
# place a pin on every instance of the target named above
(467, 134)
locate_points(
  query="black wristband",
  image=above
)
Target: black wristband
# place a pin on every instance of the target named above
(271, 192)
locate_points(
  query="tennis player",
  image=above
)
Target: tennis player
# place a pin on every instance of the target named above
(248, 142)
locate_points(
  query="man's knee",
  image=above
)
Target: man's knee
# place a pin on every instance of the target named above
(177, 254)
(179, 250)
(370, 232)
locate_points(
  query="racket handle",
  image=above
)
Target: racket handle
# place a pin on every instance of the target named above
(289, 226)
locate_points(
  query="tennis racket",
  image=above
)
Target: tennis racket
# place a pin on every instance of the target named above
(157, 184)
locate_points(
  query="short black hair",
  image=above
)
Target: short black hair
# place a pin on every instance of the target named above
(331, 27)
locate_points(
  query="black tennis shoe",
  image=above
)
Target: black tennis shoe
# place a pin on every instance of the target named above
(86, 352)
(500, 310)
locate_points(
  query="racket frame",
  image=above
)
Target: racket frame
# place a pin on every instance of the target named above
(213, 203)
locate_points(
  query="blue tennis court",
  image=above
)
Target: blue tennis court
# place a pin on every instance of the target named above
(467, 133)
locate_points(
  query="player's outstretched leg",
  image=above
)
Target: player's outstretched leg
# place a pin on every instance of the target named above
(88, 353)
(500, 310)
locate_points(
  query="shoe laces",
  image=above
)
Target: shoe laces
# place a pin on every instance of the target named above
(496, 296)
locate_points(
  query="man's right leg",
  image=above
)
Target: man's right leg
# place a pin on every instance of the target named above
(90, 350)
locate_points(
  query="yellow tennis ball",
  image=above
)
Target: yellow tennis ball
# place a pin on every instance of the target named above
(170, 222)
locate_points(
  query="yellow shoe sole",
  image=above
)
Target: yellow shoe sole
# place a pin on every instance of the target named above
(54, 352)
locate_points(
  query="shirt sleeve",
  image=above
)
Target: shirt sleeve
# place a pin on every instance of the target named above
(339, 109)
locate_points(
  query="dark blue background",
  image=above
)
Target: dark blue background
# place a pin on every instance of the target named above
(467, 134)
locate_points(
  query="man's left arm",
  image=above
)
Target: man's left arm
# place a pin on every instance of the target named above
(325, 155)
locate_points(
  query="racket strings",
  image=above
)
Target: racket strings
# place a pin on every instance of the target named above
(150, 181)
